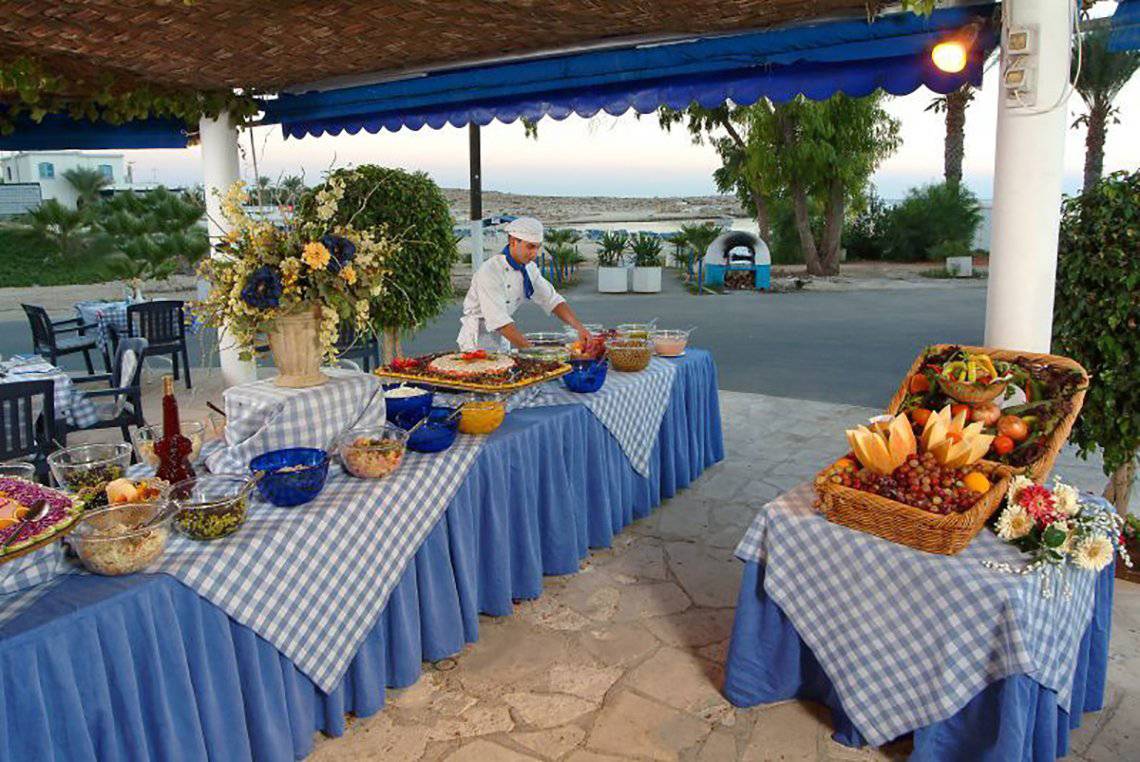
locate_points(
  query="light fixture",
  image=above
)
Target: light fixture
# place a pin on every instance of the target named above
(952, 53)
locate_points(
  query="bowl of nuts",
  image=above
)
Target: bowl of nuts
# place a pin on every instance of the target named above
(210, 506)
(629, 355)
(373, 452)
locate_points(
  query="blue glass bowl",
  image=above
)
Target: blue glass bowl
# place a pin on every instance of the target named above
(406, 412)
(587, 376)
(292, 487)
(437, 434)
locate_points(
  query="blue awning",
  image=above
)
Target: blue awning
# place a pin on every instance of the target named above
(58, 132)
(1125, 33)
(817, 60)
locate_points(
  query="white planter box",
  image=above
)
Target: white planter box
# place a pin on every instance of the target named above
(960, 267)
(612, 280)
(647, 280)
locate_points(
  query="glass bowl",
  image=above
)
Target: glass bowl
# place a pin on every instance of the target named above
(404, 408)
(121, 539)
(482, 416)
(569, 334)
(86, 469)
(144, 438)
(629, 355)
(547, 338)
(587, 376)
(634, 330)
(437, 433)
(669, 343)
(373, 452)
(545, 352)
(290, 477)
(210, 506)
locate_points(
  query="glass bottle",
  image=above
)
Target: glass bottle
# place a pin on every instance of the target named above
(173, 449)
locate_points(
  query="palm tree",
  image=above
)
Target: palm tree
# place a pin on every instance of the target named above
(87, 183)
(1103, 75)
(63, 233)
(290, 188)
(954, 105)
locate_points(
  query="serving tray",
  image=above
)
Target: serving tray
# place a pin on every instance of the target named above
(59, 530)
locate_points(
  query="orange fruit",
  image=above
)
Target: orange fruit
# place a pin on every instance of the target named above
(845, 463)
(976, 481)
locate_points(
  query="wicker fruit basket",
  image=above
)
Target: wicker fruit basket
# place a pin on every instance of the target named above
(900, 523)
(1040, 467)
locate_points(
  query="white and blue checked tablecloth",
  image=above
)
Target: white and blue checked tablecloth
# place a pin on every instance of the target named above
(70, 402)
(28, 571)
(907, 637)
(629, 405)
(104, 315)
(261, 416)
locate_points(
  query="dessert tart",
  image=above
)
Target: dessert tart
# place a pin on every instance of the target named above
(468, 365)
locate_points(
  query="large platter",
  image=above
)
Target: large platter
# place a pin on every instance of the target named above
(58, 530)
(511, 382)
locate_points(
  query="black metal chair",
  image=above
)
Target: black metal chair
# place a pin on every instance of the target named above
(25, 432)
(46, 339)
(163, 325)
(124, 387)
(351, 346)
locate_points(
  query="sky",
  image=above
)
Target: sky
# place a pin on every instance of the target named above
(631, 156)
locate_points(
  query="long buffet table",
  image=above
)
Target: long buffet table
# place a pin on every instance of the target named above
(141, 667)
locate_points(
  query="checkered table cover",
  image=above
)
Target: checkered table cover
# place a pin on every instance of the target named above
(29, 571)
(70, 402)
(629, 405)
(907, 637)
(104, 315)
(261, 416)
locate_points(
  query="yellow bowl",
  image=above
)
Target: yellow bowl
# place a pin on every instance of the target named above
(482, 416)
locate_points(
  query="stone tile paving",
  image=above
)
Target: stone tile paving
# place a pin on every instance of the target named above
(624, 660)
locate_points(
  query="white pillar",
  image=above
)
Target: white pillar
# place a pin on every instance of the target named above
(1027, 188)
(221, 168)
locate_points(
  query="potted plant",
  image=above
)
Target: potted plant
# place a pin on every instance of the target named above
(296, 282)
(612, 278)
(646, 249)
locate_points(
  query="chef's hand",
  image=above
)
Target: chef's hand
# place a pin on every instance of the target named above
(583, 334)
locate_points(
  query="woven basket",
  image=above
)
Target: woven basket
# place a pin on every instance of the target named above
(910, 526)
(1039, 469)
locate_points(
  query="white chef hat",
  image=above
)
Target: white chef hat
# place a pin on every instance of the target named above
(525, 229)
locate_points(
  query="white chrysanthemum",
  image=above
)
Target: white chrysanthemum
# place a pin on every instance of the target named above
(1067, 499)
(1093, 553)
(1014, 523)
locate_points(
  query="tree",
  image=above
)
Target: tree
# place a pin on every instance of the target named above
(1103, 75)
(152, 234)
(290, 188)
(1096, 321)
(734, 175)
(87, 183)
(954, 149)
(61, 232)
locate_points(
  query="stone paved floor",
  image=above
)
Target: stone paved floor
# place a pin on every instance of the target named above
(624, 660)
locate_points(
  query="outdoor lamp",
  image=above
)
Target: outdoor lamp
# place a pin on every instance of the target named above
(951, 54)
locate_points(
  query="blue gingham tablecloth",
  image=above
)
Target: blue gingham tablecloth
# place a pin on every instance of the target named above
(70, 402)
(907, 637)
(29, 571)
(104, 315)
(261, 416)
(629, 405)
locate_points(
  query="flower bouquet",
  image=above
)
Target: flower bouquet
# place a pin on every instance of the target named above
(1055, 527)
(297, 281)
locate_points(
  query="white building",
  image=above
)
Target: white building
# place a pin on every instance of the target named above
(47, 167)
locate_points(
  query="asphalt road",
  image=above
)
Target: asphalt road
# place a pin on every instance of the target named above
(850, 347)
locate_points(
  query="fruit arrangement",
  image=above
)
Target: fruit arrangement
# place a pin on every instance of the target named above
(1026, 402)
(935, 472)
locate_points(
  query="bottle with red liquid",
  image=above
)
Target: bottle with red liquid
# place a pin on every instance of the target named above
(173, 449)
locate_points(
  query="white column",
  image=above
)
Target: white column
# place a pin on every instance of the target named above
(221, 168)
(1027, 189)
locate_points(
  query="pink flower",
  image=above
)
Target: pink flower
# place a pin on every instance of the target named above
(1039, 503)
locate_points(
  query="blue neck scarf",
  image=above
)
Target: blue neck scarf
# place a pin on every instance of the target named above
(528, 287)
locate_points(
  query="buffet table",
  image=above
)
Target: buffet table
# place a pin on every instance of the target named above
(977, 662)
(142, 666)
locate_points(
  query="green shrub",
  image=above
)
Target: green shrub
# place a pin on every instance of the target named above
(929, 216)
(413, 210)
(863, 234)
(611, 248)
(785, 244)
(1096, 319)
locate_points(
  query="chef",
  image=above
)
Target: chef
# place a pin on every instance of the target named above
(504, 282)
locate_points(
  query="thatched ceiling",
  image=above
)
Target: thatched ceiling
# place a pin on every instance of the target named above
(271, 44)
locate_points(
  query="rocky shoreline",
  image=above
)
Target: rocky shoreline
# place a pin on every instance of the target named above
(583, 209)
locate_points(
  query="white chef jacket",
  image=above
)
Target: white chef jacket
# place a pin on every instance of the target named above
(496, 292)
